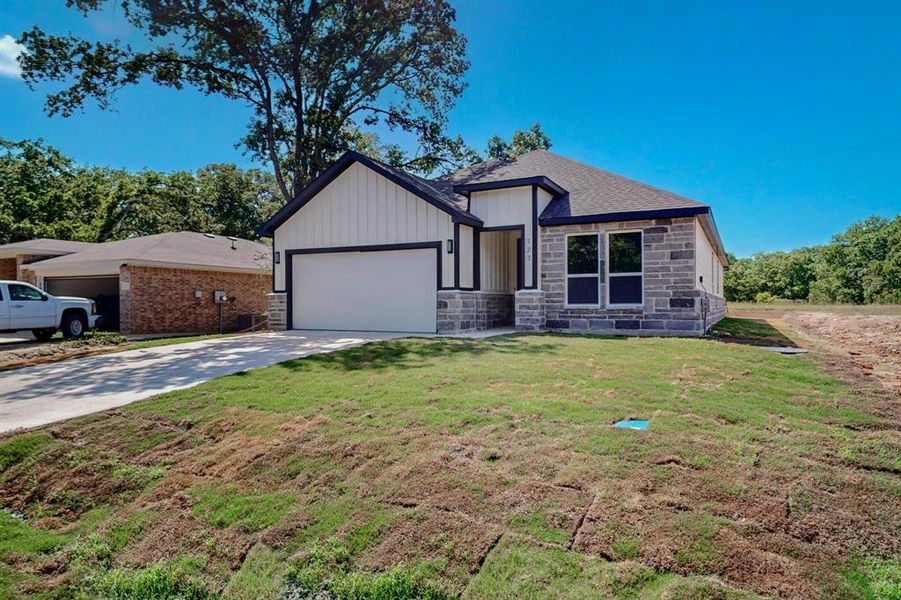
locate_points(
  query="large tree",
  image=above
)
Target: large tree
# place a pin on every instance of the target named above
(43, 193)
(313, 71)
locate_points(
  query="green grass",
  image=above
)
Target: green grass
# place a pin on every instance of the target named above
(17, 449)
(227, 506)
(18, 536)
(754, 331)
(165, 580)
(262, 575)
(326, 568)
(871, 579)
(518, 570)
(389, 470)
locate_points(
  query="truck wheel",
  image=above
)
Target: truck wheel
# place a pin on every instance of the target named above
(43, 335)
(73, 327)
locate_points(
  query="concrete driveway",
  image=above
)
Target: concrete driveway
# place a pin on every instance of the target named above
(44, 394)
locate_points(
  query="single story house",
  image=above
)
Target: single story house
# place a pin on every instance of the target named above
(16, 257)
(165, 283)
(541, 242)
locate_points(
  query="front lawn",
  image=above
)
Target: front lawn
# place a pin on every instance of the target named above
(475, 468)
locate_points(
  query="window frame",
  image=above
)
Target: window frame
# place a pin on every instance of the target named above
(609, 304)
(596, 275)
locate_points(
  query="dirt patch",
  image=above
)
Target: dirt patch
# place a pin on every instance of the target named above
(13, 356)
(870, 343)
(434, 534)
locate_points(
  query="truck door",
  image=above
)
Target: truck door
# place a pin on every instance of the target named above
(30, 308)
(4, 308)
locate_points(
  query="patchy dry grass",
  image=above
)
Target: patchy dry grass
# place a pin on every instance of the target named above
(490, 468)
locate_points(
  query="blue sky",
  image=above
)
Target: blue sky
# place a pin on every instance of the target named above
(784, 116)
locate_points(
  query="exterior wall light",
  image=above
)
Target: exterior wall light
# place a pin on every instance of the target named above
(450, 246)
(278, 257)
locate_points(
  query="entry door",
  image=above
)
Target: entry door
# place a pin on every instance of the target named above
(385, 290)
(28, 309)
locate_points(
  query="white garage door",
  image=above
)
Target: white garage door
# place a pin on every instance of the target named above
(388, 290)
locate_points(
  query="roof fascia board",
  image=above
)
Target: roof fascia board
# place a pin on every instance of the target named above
(704, 214)
(111, 267)
(708, 224)
(541, 181)
(332, 173)
(632, 215)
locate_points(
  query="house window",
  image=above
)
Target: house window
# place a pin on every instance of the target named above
(625, 268)
(582, 273)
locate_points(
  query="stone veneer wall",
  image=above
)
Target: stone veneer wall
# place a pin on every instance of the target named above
(461, 310)
(716, 308)
(162, 300)
(672, 301)
(278, 310)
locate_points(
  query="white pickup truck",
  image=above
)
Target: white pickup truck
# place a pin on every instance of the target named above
(24, 307)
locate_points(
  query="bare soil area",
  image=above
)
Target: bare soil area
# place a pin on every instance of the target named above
(871, 343)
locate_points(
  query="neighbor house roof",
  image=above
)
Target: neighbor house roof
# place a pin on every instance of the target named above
(183, 249)
(439, 195)
(42, 247)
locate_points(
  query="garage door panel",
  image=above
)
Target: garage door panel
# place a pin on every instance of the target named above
(389, 290)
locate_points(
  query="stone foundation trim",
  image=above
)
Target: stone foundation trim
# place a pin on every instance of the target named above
(460, 311)
(277, 303)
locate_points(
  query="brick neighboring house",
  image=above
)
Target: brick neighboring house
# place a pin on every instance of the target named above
(16, 257)
(165, 283)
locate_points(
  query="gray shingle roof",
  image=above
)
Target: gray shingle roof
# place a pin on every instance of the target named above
(186, 248)
(592, 191)
(44, 246)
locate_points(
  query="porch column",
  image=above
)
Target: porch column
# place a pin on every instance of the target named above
(529, 310)
(278, 311)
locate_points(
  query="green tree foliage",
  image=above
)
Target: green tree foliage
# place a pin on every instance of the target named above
(522, 141)
(532, 138)
(312, 72)
(861, 265)
(44, 194)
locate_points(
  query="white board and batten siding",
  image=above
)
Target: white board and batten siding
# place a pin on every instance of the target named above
(707, 263)
(362, 208)
(498, 261)
(505, 207)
